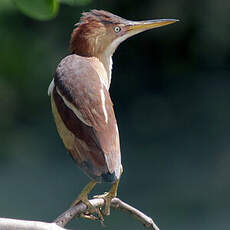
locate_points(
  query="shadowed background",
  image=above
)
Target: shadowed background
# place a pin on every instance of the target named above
(170, 89)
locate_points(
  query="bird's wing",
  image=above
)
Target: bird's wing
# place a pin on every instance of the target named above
(86, 109)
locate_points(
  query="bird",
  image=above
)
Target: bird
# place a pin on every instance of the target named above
(81, 104)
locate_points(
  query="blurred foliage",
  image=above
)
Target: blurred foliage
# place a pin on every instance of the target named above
(39, 9)
(75, 2)
(171, 96)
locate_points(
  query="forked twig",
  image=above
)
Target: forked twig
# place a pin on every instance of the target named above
(116, 203)
(67, 216)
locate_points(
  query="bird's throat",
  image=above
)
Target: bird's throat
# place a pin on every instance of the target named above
(107, 62)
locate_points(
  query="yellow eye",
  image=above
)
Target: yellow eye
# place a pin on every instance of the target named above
(117, 29)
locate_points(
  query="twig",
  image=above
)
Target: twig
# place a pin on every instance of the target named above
(116, 203)
(144, 219)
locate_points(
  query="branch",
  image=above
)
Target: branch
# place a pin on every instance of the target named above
(116, 203)
(67, 216)
(12, 224)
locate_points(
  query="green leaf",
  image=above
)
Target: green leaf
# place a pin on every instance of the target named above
(76, 2)
(6, 5)
(38, 9)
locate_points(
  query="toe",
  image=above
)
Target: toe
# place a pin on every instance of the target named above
(107, 205)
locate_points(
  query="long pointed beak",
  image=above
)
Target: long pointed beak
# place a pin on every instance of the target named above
(133, 27)
(137, 27)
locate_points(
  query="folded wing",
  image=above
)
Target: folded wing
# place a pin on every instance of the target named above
(85, 118)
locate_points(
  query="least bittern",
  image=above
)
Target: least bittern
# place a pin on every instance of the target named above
(81, 104)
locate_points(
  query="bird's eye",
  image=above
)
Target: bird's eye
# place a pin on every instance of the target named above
(117, 29)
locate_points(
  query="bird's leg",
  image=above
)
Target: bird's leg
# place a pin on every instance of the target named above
(111, 194)
(108, 196)
(83, 197)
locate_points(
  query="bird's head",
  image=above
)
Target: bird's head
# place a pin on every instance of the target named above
(99, 32)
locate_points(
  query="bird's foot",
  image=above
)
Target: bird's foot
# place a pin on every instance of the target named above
(89, 214)
(107, 198)
(83, 197)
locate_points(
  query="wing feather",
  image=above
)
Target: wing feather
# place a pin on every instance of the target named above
(86, 109)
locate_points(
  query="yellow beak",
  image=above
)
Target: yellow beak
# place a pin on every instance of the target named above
(149, 24)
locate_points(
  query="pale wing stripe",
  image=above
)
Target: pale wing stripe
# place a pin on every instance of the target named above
(103, 105)
(51, 87)
(72, 107)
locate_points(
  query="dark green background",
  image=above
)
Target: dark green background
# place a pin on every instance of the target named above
(171, 95)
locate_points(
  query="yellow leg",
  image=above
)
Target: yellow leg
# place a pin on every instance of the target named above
(111, 194)
(108, 196)
(83, 196)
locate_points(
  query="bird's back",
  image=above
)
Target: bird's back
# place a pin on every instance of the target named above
(84, 117)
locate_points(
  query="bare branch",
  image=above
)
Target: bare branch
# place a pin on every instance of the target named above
(67, 216)
(13, 224)
(144, 219)
(116, 203)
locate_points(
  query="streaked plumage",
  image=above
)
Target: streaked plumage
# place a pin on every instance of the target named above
(81, 104)
(77, 98)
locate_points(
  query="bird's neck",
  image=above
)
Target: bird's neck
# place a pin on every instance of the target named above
(107, 62)
(88, 47)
